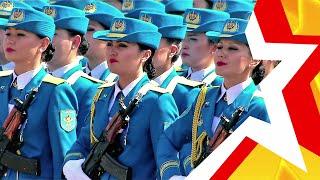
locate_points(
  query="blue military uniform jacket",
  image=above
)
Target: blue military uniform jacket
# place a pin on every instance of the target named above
(216, 82)
(179, 134)
(108, 76)
(47, 133)
(184, 91)
(85, 88)
(155, 112)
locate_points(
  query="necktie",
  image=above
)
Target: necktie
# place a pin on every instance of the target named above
(221, 105)
(116, 105)
(14, 91)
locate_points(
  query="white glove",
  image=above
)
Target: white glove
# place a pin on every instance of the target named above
(177, 178)
(72, 170)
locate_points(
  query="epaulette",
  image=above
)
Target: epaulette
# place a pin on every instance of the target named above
(53, 80)
(188, 82)
(158, 89)
(179, 69)
(5, 73)
(92, 78)
(107, 84)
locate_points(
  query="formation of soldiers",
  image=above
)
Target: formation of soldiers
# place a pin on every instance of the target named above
(123, 89)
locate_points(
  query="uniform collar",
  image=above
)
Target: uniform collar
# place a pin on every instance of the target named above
(160, 79)
(8, 66)
(98, 70)
(128, 88)
(25, 78)
(201, 74)
(64, 69)
(233, 92)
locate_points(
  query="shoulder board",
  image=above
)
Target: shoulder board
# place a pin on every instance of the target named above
(158, 89)
(179, 69)
(188, 82)
(5, 73)
(107, 84)
(53, 80)
(92, 79)
(212, 87)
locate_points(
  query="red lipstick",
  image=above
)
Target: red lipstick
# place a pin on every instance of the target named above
(220, 63)
(9, 50)
(112, 60)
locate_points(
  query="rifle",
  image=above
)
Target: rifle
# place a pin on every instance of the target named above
(102, 157)
(10, 143)
(223, 131)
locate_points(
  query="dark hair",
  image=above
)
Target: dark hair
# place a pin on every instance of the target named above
(210, 4)
(259, 72)
(84, 45)
(176, 42)
(148, 67)
(47, 55)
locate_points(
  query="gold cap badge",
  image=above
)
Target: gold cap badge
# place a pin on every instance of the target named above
(118, 26)
(146, 18)
(193, 17)
(90, 8)
(17, 15)
(231, 27)
(6, 6)
(50, 11)
(220, 5)
(127, 5)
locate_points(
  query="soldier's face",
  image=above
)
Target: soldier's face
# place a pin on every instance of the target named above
(161, 57)
(21, 46)
(62, 43)
(196, 50)
(97, 49)
(125, 58)
(233, 59)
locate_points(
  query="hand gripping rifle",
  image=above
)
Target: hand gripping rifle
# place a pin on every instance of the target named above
(10, 142)
(223, 131)
(102, 157)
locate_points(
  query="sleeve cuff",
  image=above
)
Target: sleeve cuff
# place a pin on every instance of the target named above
(169, 169)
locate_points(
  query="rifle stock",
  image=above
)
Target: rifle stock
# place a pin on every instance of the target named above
(10, 143)
(103, 154)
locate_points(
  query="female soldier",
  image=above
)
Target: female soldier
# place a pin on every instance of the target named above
(173, 31)
(132, 42)
(197, 49)
(100, 15)
(50, 126)
(234, 62)
(71, 25)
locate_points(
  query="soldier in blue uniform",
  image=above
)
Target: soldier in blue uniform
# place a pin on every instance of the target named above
(50, 126)
(6, 7)
(234, 62)
(197, 49)
(131, 43)
(100, 15)
(173, 32)
(71, 25)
